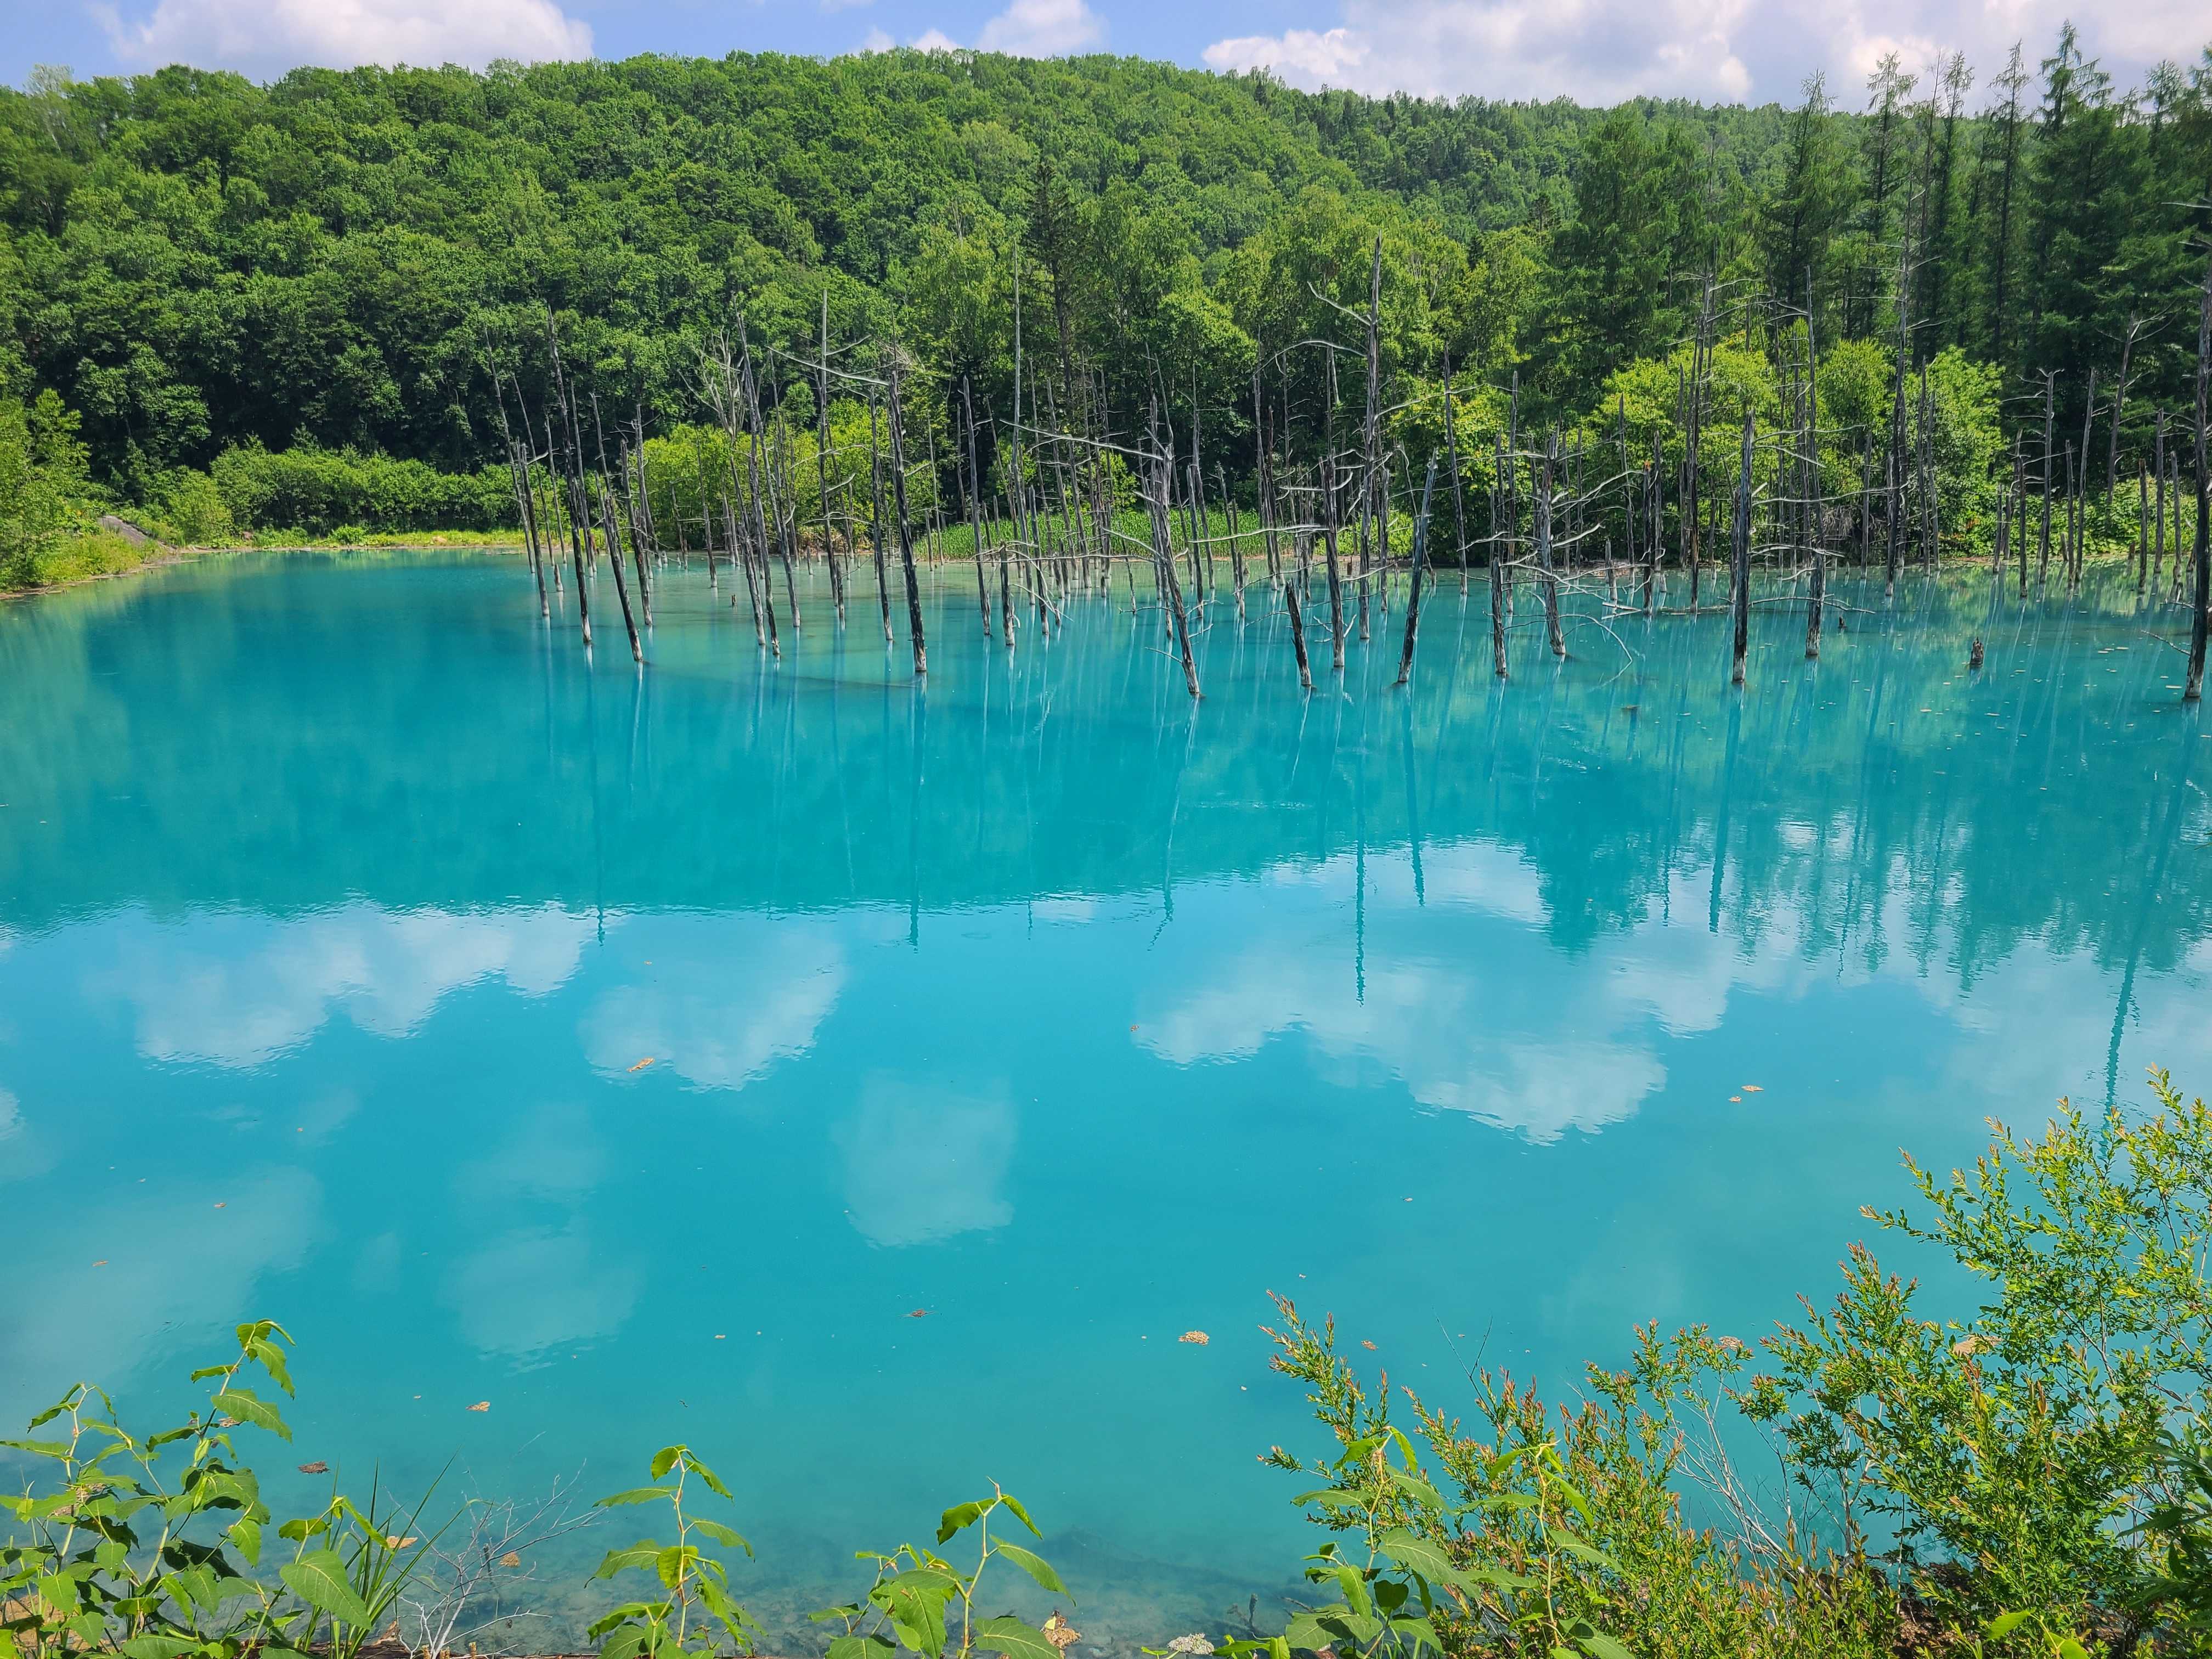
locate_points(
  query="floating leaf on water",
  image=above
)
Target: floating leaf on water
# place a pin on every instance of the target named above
(316, 1467)
(1736, 1099)
(1754, 1088)
(1196, 1645)
(102, 1263)
(642, 1064)
(1064, 1635)
(481, 1405)
(225, 1422)
(1365, 1344)
(1199, 1338)
(510, 1559)
(219, 1206)
(919, 1313)
(394, 1541)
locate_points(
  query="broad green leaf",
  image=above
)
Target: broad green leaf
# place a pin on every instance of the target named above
(627, 1611)
(56, 1448)
(959, 1515)
(1422, 1634)
(643, 1554)
(665, 1460)
(1010, 1636)
(634, 1495)
(1581, 1552)
(304, 1527)
(1599, 1645)
(673, 1562)
(862, 1647)
(244, 1535)
(319, 1578)
(246, 1407)
(719, 1603)
(1418, 1488)
(918, 1611)
(1035, 1566)
(156, 1647)
(1313, 1631)
(2004, 1625)
(1020, 1514)
(726, 1536)
(713, 1481)
(1415, 1553)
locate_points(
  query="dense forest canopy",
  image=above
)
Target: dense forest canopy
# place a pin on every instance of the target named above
(194, 263)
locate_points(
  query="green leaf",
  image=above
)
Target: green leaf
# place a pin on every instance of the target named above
(958, 1516)
(643, 1554)
(156, 1647)
(634, 1495)
(1035, 1566)
(2004, 1625)
(1422, 1633)
(2071, 1648)
(1416, 1554)
(1010, 1636)
(1314, 1631)
(300, 1531)
(918, 1612)
(1581, 1552)
(244, 1535)
(246, 1407)
(665, 1460)
(319, 1578)
(1599, 1645)
(56, 1448)
(719, 1603)
(862, 1647)
(1020, 1514)
(713, 1481)
(726, 1536)
(673, 1562)
(1419, 1490)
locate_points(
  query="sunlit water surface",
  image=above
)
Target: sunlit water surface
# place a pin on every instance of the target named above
(642, 1055)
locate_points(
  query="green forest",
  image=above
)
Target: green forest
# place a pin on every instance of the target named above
(282, 305)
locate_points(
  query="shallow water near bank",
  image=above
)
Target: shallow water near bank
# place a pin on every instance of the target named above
(345, 904)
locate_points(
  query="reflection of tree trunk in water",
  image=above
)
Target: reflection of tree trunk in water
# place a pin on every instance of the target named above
(2189, 739)
(1360, 865)
(1412, 803)
(918, 727)
(599, 844)
(1721, 824)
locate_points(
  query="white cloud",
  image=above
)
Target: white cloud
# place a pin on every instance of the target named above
(536, 1287)
(222, 995)
(730, 999)
(924, 1164)
(934, 40)
(1043, 28)
(271, 36)
(876, 40)
(1600, 52)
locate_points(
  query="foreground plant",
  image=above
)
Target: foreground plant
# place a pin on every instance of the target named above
(120, 1554)
(911, 1603)
(696, 1599)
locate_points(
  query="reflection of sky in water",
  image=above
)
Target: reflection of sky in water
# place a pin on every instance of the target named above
(1041, 1011)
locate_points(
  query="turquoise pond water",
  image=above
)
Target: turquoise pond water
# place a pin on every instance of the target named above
(341, 894)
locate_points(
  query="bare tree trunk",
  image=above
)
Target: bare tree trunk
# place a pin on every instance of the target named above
(906, 540)
(1739, 599)
(1551, 629)
(2202, 607)
(1413, 583)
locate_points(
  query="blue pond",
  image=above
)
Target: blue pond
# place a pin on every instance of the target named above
(343, 904)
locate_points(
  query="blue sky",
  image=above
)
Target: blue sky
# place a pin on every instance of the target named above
(1597, 50)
